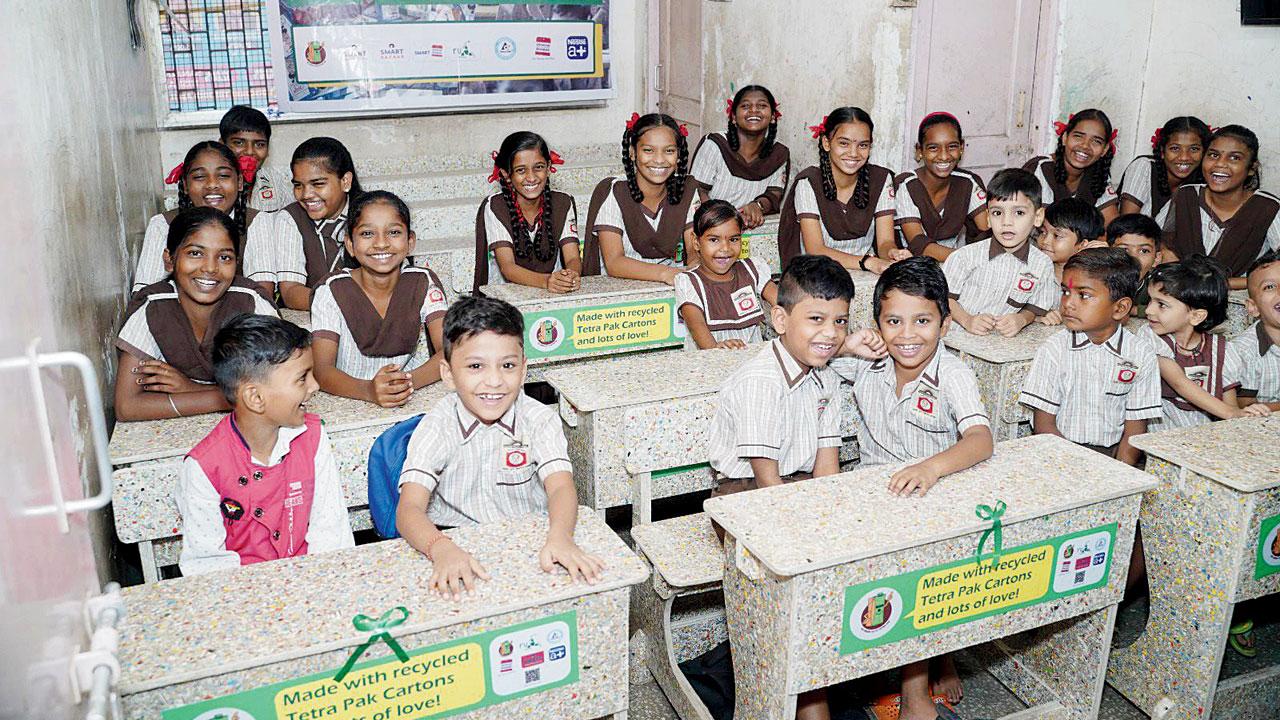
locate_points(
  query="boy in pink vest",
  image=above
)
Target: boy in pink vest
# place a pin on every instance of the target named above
(263, 484)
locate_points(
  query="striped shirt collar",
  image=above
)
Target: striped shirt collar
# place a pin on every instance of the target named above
(469, 423)
(1264, 340)
(1115, 343)
(996, 250)
(884, 367)
(792, 371)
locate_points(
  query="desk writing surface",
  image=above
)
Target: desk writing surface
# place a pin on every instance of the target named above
(639, 378)
(1243, 454)
(596, 289)
(814, 524)
(996, 348)
(133, 442)
(270, 612)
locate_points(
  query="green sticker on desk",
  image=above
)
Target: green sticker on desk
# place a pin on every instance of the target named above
(437, 681)
(620, 326)
(917, 603)
(1268, 562)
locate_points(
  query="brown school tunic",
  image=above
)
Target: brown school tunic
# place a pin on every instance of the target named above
(657, 244)
(323, 255)
(1044, 168)
(1243, 236)
(758, 170)
(843, 221)
(949, 221)
(561, 207)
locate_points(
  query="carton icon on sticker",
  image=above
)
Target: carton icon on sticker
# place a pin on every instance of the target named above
(876, 613)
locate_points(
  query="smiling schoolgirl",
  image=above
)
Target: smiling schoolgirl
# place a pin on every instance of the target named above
(1177, 149)
(746, 165)
(940, 207)
(1081, 163)
(311, 231)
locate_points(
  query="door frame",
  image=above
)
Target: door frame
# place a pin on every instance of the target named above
(1044, 83)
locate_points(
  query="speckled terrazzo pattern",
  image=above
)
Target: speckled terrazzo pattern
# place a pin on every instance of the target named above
(1238, 319)
(1001, 365)
(998, 349)
(757, 614)
(301, 318)
(643, 378)
(684, 550)
(1241, 454)
(864, 287)
(653, 614)
(168, 644)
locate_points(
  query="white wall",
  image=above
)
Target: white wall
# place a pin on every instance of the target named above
(458, 138)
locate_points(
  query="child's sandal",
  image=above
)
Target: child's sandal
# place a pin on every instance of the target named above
(1241, 639)
(888, 707)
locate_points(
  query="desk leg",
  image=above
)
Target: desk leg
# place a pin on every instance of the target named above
(147, 553)
(641, 498)
(654, 614)
(758, 613)
(1065, 662)
(1194, 532)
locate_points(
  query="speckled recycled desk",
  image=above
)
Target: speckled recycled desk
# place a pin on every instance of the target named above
(526, 644)
(762, 243)
(833, 578)
(148, 455)
(1001, 365)
(864, 288)
(1238, 319)
(607, 316)
(1210, 535)
(637, 424)
(301, 318)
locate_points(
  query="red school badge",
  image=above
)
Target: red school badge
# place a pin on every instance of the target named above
(1126, 372)
(515, 458)
(924, 405)
(744, 301)
(822, 405)
(1026, 282)
(435, 294)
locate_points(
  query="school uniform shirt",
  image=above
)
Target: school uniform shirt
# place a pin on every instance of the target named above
(725, 175)
(1093, 389)
(310, 251)
(478, 473)
(771, 408)
(1214, 366)
(157, 328)
(732, 308)
(341, 312)
(238, 509)
(1043, 168)
(272, 190)
(845, 227)
(951, 225)
(985, 278)
(1259, 364)
(495, 228)
(1191, 226)
(255, 257)
(1138, 184)
(930, 415)
(648, 236)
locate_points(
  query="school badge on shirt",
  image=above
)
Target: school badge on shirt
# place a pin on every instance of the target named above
(822, 405)
(515, 456)
(1126, 372)
(435, 294)
(744, 301)
(924, 400)
(1198, 374)
(1026, 282)
(231, 509)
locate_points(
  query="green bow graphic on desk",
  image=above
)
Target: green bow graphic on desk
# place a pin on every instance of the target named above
(379, 627)
(995, 532)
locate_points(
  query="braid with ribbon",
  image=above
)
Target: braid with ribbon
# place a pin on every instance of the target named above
(731, 132)
(1160, 140)
(1098, 175)
(637, 126)
(526, 243)
(838, 117)
(245, 167)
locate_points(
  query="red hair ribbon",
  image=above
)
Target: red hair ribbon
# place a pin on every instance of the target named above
(1214, 130)
(938, 113)
(820, 128)
(1060, 127)
(555, 160)
(635, 118)
(777, 111)
(493, 176)
(1155, 137)
(728, 107)
(248, 167)
(1111, 142)
(174, 175)
(684, 130)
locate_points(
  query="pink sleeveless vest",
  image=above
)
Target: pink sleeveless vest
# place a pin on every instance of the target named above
(265, 510)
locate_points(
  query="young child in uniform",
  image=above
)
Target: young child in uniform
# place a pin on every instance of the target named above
(940, 207)
(1081, 163)
(1176, 151)
(487, 451)
(248, 133)
(527, 233)
(1140, 236)
(1199, 371)
(370, 323)
(165, 366)
(1095, 382)
(746, 166)
(719, 300)
(842, 208)
(212, 176)
(778, 416)
(310, 231)
(263, 484)
(1004, 282)
(1070, 225)
(1227, 218)
(641, 226)
(1259, 346)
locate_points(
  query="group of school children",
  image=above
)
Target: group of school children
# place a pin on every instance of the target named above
(1052, 242)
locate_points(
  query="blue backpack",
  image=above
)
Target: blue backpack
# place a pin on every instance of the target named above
(386, 458)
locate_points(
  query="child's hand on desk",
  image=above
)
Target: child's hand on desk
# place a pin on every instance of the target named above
(563, 281)
(1053, 317)
(897, 254)
(752, 215)
(158, 376)
(391, 386)
(913, 478)
(565, 552)
(453, 570)
(1010, 325)
(981, 324)
(732, 344)
(865, 343)
(1255, 410)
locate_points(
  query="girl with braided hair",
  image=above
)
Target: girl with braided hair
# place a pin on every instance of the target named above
(527, 233)
(939, 205)
(746, 165)
(1176, 151)
(1081, 164)
(640, 226)
(843, 207)
(212, 176)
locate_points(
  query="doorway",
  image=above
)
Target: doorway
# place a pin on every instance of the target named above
(676, 41)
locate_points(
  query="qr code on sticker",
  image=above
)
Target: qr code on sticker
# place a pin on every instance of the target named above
(532, 676)
(1080, 577)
